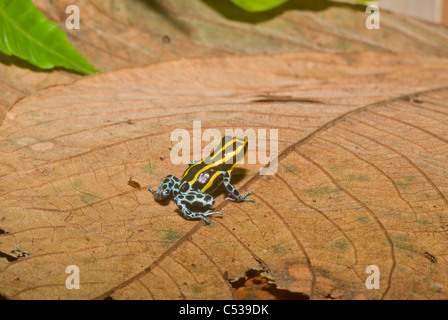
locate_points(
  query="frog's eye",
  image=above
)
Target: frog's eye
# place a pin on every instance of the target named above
(185, 186)
(166, 192)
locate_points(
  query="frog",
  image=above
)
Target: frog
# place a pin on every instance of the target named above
(201, 179)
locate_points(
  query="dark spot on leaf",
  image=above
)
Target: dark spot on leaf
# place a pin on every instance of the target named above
(8, 257)
(149, 168)
(171, 235)
(430, 257)
(255, 282)
(89, 198)
(166, 39)
(341, 244)
(134, 184)
(359, 178)
(406, 98)
(285, 99)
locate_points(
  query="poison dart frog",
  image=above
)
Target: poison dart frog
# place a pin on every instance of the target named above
(202, 178)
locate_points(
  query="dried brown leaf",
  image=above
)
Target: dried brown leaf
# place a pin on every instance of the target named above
(118, 34)
(362, 180)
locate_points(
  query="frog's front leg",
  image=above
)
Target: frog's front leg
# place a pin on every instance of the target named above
(232, 190)
(169, 186)
(195, 198)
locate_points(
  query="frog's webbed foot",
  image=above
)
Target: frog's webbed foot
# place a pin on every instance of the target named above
(235, 195)
(183, 202)
(201, 215)
(240, 198)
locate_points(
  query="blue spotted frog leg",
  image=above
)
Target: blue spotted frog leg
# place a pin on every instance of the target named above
(236, 197)
(195, 199)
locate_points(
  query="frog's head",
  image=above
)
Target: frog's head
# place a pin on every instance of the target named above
(166, 188)
(161, 193)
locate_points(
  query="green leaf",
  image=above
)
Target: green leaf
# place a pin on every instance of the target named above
(263, 5)
(26, 33)
(258, 5)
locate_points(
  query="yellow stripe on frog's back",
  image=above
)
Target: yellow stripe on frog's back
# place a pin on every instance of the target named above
(212, 158)
(215, 154)
(210, 182)
(215, 175)
(217, 163)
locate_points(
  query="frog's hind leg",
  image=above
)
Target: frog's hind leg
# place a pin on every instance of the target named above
(195, 199)
(232, 190)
